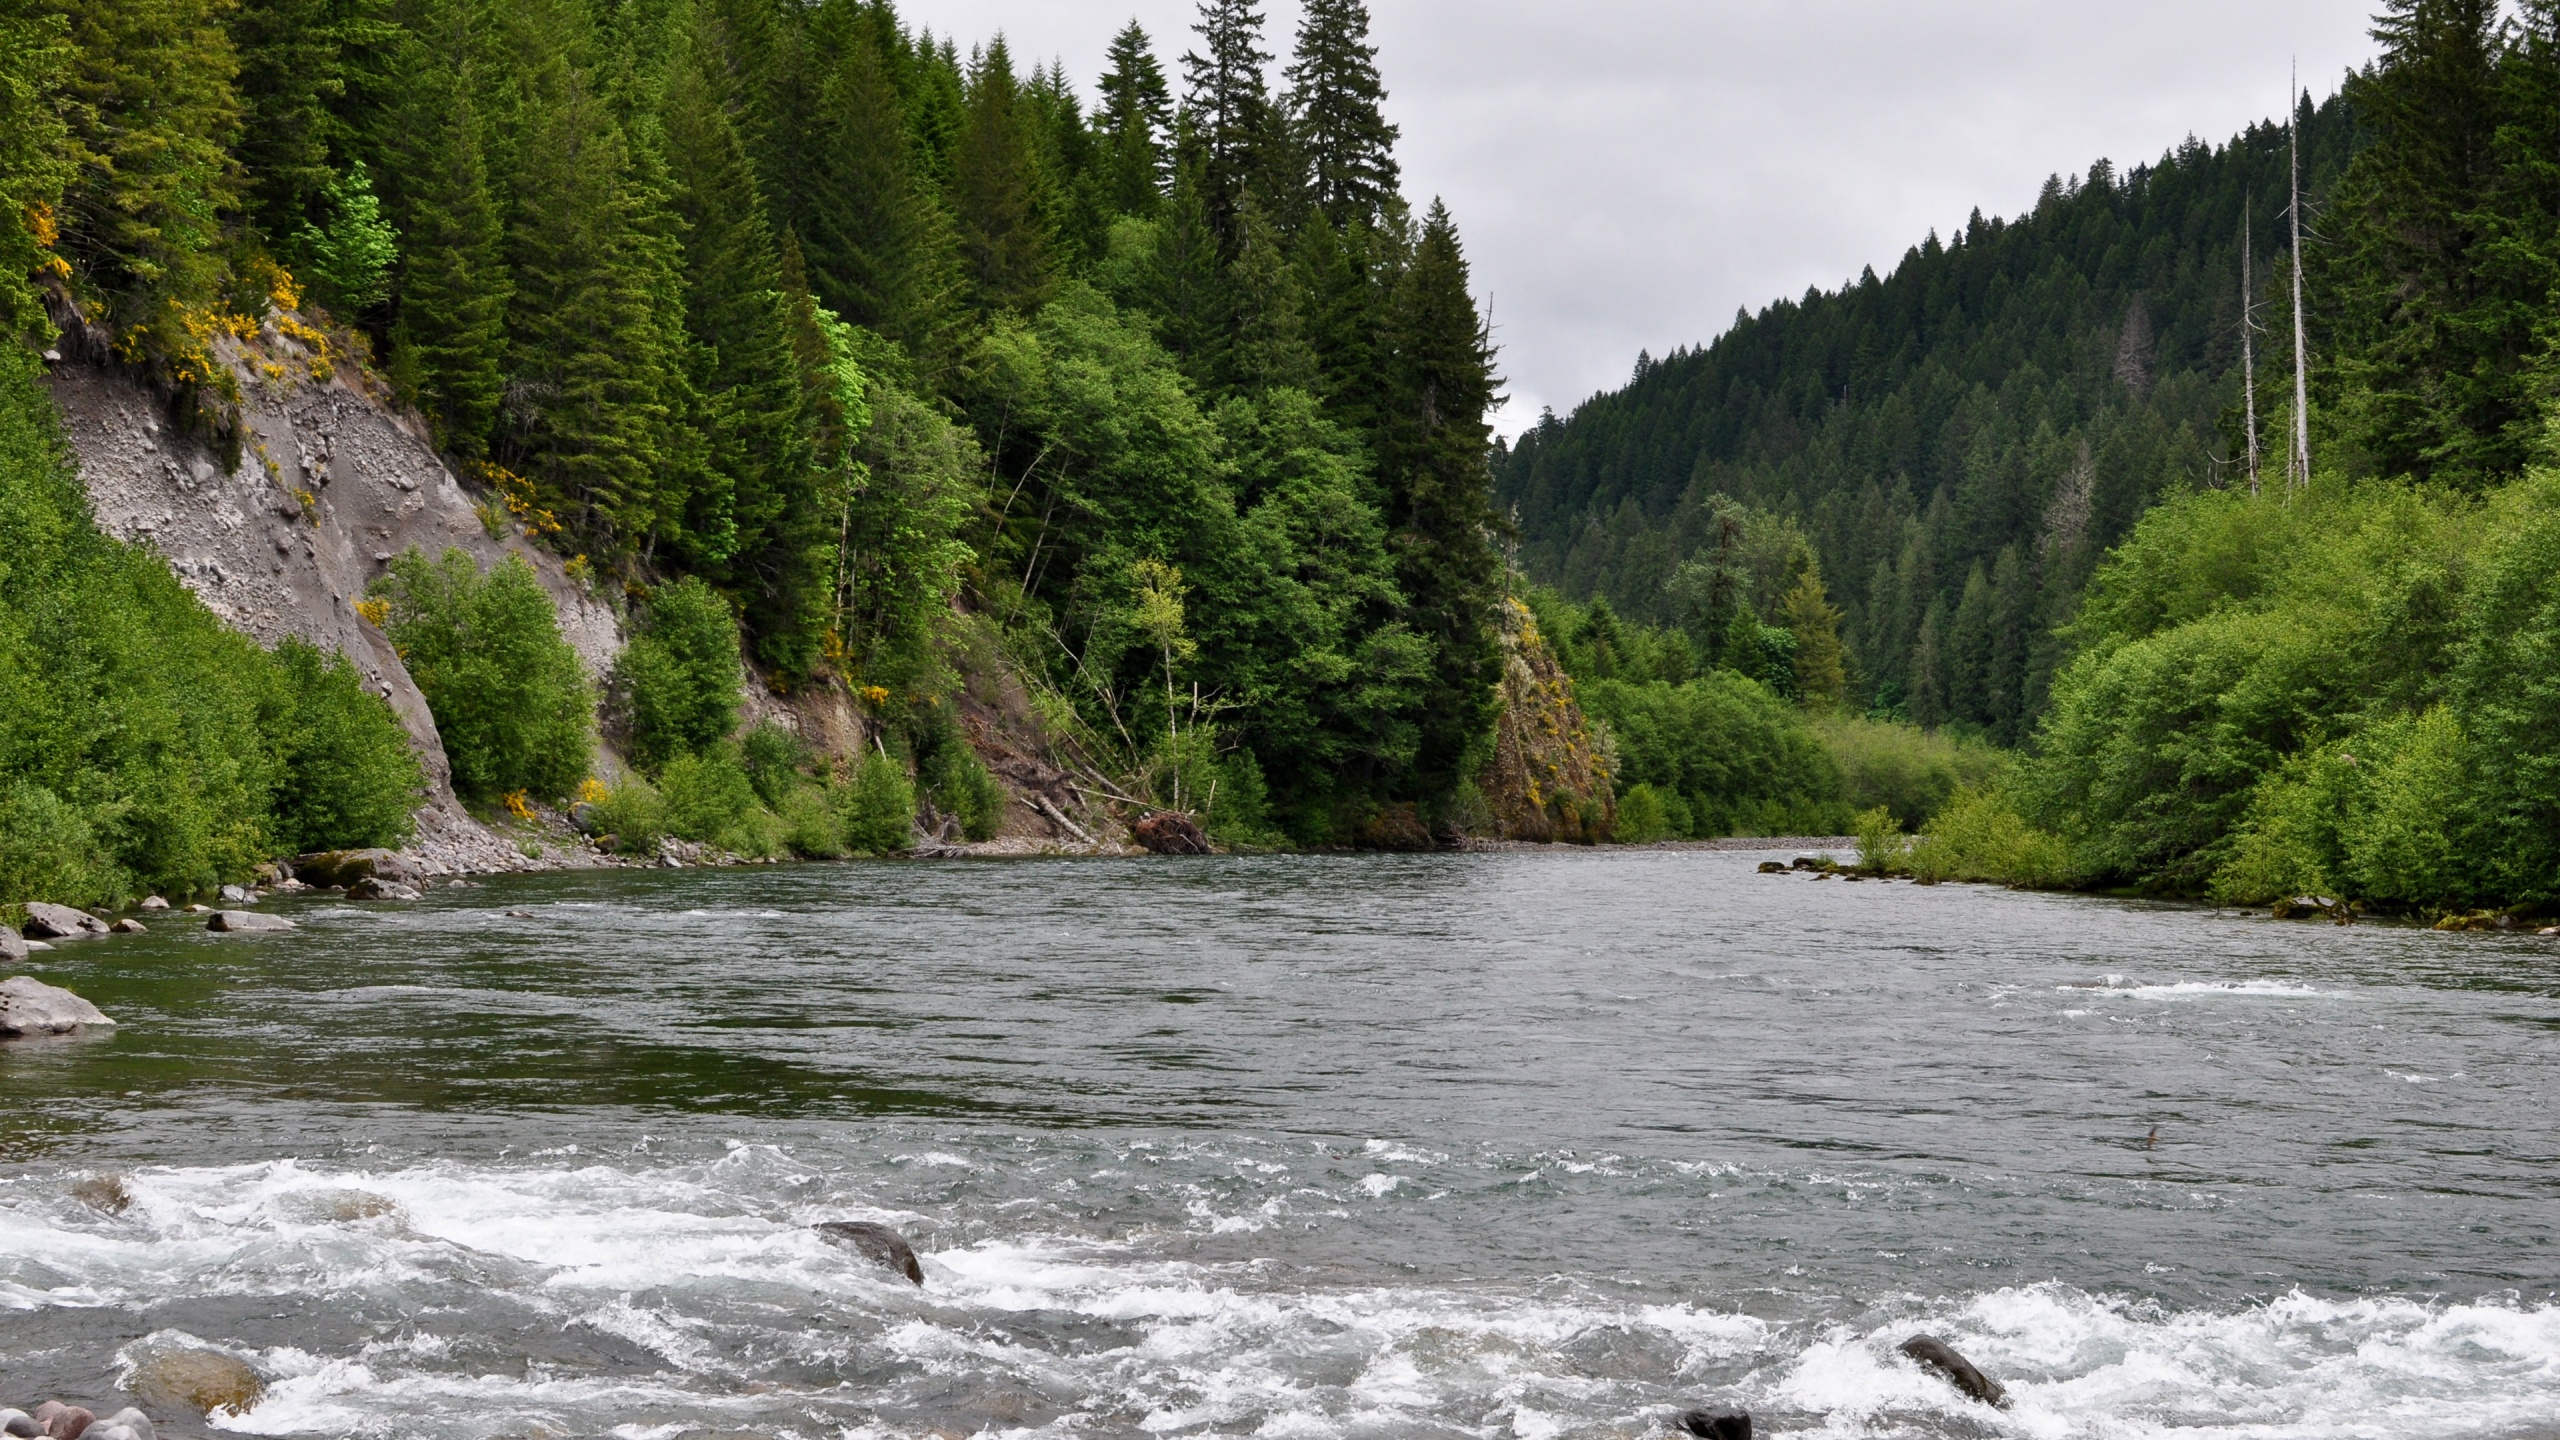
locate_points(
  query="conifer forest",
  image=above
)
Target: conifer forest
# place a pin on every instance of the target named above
(2071, 549)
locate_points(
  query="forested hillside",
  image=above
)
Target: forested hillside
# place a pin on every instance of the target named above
(882, 340)
(1958, 440)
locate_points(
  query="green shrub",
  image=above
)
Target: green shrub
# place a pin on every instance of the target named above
(1980, 835)
(1902, 767)
(1679, 821)
(1881, 843)
(48, 852)
(1745, 761)
(635, 815)
(1642, 817)
(508, 694)
(678, 678)
(963, 785)
(879, 807)
(773, 756)
(810, 825)
(348, 779)
(709, 798)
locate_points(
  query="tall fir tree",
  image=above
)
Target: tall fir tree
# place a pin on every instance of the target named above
(35, 159)
(738, 309)
(299, 85)
(2429, 362)
(1228, 102)
(593, 386)
(995, 192)
(1338, 104)
(447, 336)
(151, 111)
(1186, 285)
(1135, 121)
(1267, 344)
(878, 247)
(1436, 470)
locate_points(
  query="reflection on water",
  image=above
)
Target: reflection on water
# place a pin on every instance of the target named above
(1533, 1144)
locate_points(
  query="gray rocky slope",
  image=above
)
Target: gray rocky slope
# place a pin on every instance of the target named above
(332, 483)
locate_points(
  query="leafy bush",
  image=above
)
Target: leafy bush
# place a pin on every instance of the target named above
(1881, 843)
(1642, 817)
(963, 785)
(1744, 761)
(48, 852)
(1980, 835)
(509, 696)
(773, 756)
(635, 815)
(810, 825)
(879, 807)
(710, 800)
(678, 678)
(1907, 770)
(348, 779)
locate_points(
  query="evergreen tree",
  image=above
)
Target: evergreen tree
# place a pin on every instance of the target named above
(1337, 99)
(34, 158)
(585, 347)
(1267, 347)
(447, 340)
(1186, 287)
(151, 112)
(1135, 120)
(2430, 361)
(1229, 105)
(1339, 274)
(1436, 468)
(297, 58)
(994, 192)
(1821, 680)
(877, 246)
(742, 325)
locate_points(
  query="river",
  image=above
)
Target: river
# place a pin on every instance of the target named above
(1531, 1144)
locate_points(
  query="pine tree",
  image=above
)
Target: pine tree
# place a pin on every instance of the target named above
(1338, 100)
(1436, 470)
(1136, 124)
(151, 112)
(1186, 288)
(777, 560)
(876, 245)
(2430, 357)
(1229, 105)
(585, 345)
(995, 192)
(1808, 614)
(297, 58)
(452, 291)
(1339, 274)
(35, 158)
(1267, 348)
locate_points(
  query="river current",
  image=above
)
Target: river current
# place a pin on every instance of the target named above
(1530, 1144)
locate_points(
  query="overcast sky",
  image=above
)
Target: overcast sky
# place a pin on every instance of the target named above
(1628, 172)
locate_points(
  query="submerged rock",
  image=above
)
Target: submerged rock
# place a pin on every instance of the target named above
(29, 1006)
(1170, 832)
(1773, 867)
(1718, 1424)
(206, 1382)
(236, 921)
(61, 922)
(102, 1192)
(879, 1244)
(1935, 1354)
(374, 887)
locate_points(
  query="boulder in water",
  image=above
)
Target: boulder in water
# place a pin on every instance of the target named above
(154, 902)
(29, 1006)
(13, 946)
(374, 887)
(237, 921)
(204, 1382)
(105, 1193)
(1935, 1354)
(129, 926)
(879, 1244)
(1170, 832)
(1772, 867)
(238, 895)
(61, 922)
(346, 867)
(19, 1424)
(1718, 1424)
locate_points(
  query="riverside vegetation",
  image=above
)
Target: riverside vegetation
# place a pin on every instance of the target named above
(835, 356)
(2025, 457)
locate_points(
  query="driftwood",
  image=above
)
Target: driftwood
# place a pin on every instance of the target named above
(1057, 817)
